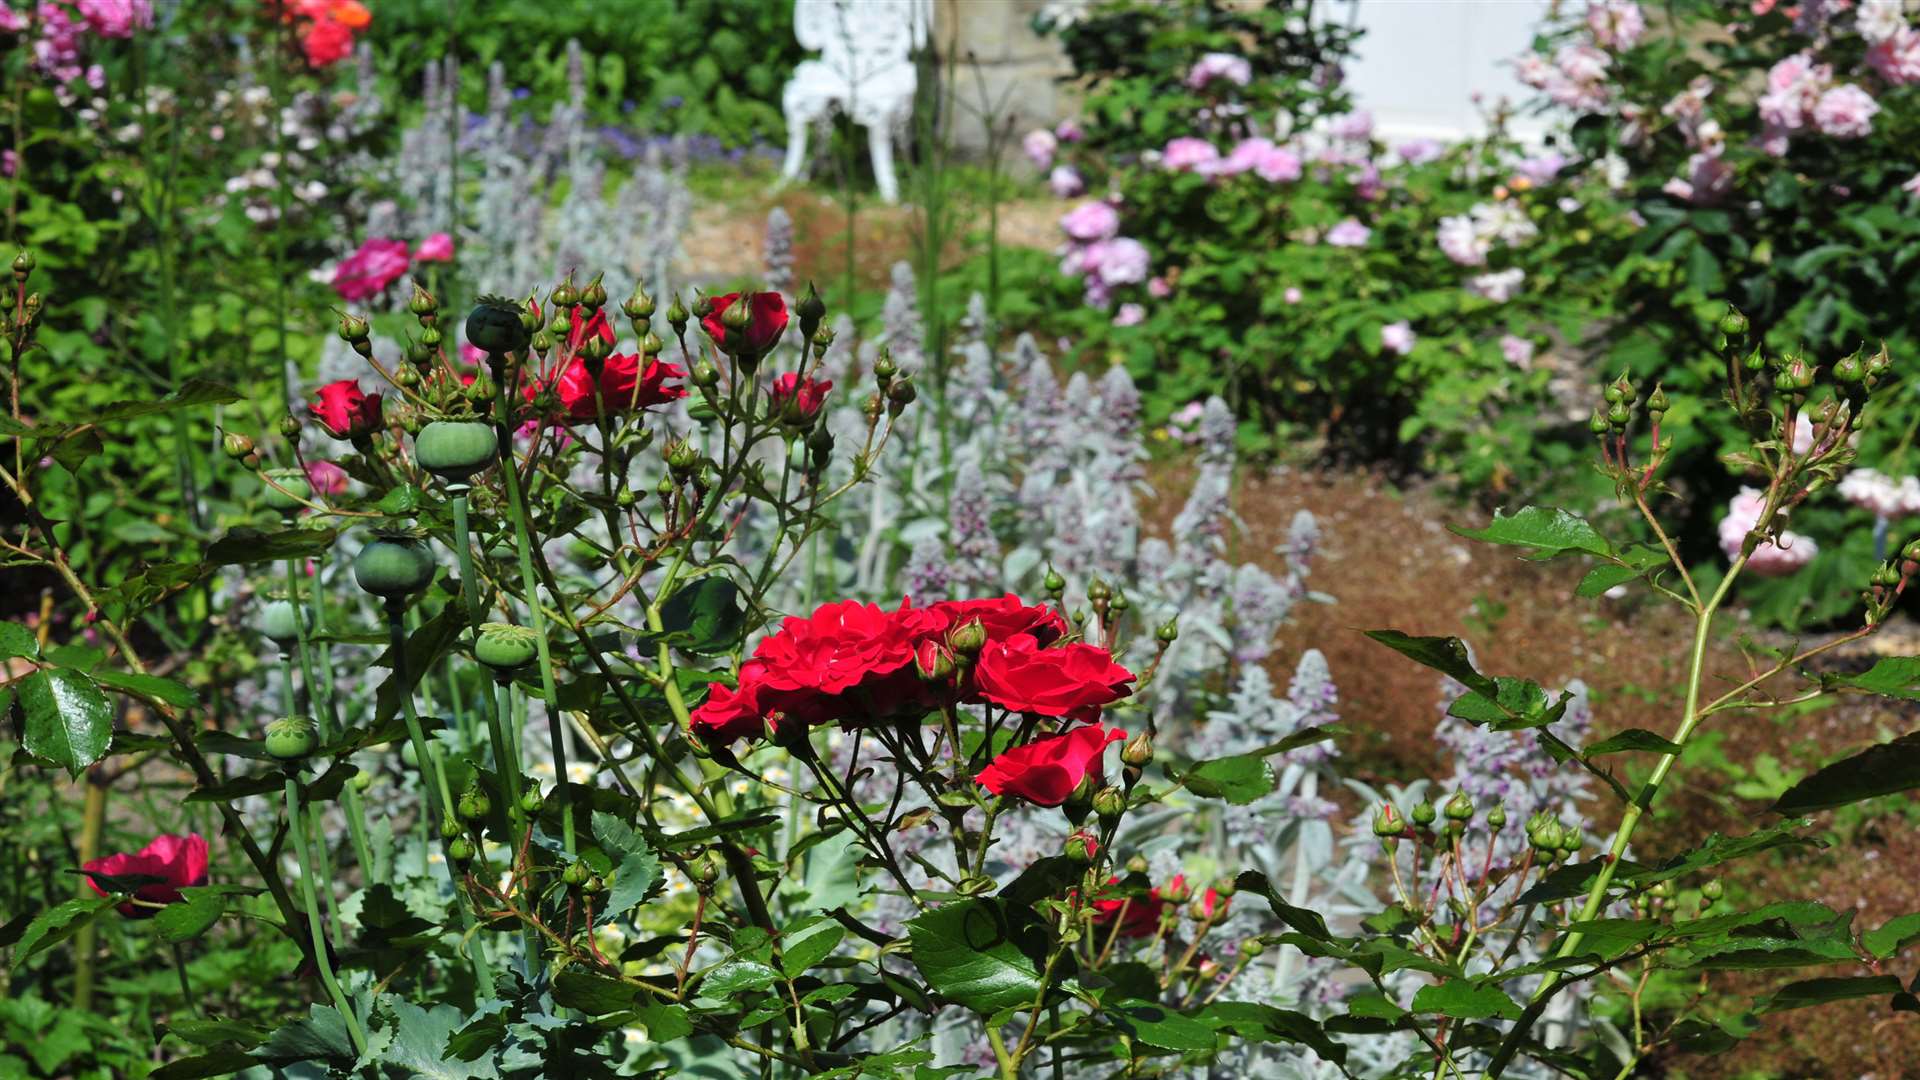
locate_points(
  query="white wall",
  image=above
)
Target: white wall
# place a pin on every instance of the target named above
(1422, 61)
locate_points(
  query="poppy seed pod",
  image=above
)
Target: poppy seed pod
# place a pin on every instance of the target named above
(505, 647)
(393, 566)
(281, 622)
(291, 738)
(455, 450)
(494, 326)
(288, 490)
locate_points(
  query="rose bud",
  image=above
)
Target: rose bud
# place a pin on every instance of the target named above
(1110, 804)
(1081, 848)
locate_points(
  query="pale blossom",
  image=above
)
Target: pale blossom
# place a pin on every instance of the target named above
(1518, 351)
(1188, 154)
(1130, 315)
(1707, 181)
(1845, 112)
(1772, 558)
(1541, 168)
(1879, 20)
(1615, 24)
(1398, 337)
(1233, 69)
(1881, 495)
(1499, 286)
(1419, 151)
(1912, 186)
(1349, 233)
(1278, 165)
(1897, 59)
(1158, 288)
(1293, 295)
(1356, 126)
(1065, 182)
(435, 248)
(1461, 242)
(1123, 261)
(1091, 221)
(1039, 146)
(1068, 131)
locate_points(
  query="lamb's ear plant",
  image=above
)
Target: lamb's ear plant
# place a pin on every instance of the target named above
(1503, 933)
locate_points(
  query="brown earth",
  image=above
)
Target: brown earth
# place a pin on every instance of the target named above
(1389, 561)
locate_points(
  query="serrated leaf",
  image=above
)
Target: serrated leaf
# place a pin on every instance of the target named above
(984, 955)
(193, 915)
(1603, 577)
(319, 1036)
(592, 993)
(1892, 676)
(737, 977)
(1887, 769)
(149, 688)
(1157, 1025)
(222, 1061)
(637, 869)
(807, 943)
(245, 544)
(1447, 655)
(1515, 705)
(56, 924)
(419, 1044)
(69, 721)
(1264, 1023)
(1239, 780)
(1544, 529)
(193, 392)
(17, 640)
(704, 617)
(665, 1022)
(1463, 999)
(210, 1032)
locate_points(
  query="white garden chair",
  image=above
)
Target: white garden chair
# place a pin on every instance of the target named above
(865, 70)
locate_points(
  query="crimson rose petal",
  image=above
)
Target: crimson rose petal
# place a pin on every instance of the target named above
(1047, 770)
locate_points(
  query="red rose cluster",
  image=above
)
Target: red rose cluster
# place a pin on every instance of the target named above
(623, 385)
(856, 663)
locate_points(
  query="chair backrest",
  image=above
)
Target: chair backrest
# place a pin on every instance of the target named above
(859, 37)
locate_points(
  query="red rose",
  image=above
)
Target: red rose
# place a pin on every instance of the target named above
(1005, 616)
(766, 321)
(1071, 681)
(623, 387)
(596, 326)
(802, 396)
(848, 661)
(345, 411)
(178, 861)
(1141, 917)
(377, 264)
(326, 478)
(1047, 770)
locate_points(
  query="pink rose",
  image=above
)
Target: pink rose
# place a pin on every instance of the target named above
(1398, 337)
(1091, 221)
(1130, 315)
(1233, 69)
(1349, 233)
(1188, 154)
(378, 264)
(435, 248)
(1040, 145)
(1845, 112)
(1065, 182)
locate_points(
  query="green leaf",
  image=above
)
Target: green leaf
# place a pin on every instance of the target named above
(192, 916)
(1887, 769)
(1799, 995)
(1548, 531)
(1264, 1023)
(1892, 676)
(1719, 849)
(1516, 704)
(738, 977)
(211, 1032)
(17, 640)
(191, 393)
(1894, 935)
(321, 1035)
(1239, 780)
(808, 942)
(223, 1061)
(245, 544)
(420, 1040)
(638, 869)
(1633, 739)
(404, 499)
(1443, 654)
(150, 688)
(664, 1022)
(1466, 1000)
(1157, 1025)
(69, 721)
(1603, 577)
(984, 955)
(705, 617)
(1306, 922)
(591, 993)
(56, 924)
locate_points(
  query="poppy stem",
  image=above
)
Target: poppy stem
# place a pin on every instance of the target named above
(321, 957)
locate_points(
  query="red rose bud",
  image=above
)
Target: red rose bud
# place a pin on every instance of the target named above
(797, 400)
(1003, 618)
(968, 638)
(1046, 771)
(757, 322)
(345, 411)
(1081, 848)
(933, 661)
(178, 862)
(1110, 804)
(1071, 681)
(1138, 751)
(1177, 890)
(1080, 802)
(1139, 916)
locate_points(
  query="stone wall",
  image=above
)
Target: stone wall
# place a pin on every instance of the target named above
(1001, 60)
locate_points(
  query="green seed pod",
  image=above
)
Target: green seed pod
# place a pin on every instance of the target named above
(455, 450)
(1253, 946)
(1497, 817)
(1460, 807)
(449, 828)
(575, 873)
(290, 426)
(531, 801)
(1137, 865)
(968, 638)
(281, 622)
(1168, 633)
(236, 445)
(291, 738)
(362, 781)
(505, 647)
(1053, 582)
(393, 566)
(494, 325)
(1712, 890)
(595, 884)
(23, 264)
(474, 804)
(1733, 324)
(1424, 813)
(353, 328)
(460, 850)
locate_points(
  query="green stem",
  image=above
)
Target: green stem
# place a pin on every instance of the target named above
(436, 780)
(321, 958)
(517, 507)
(186, 987)
(327, 714)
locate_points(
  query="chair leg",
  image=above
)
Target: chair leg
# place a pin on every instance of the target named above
(880, 149)
(796, 161)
